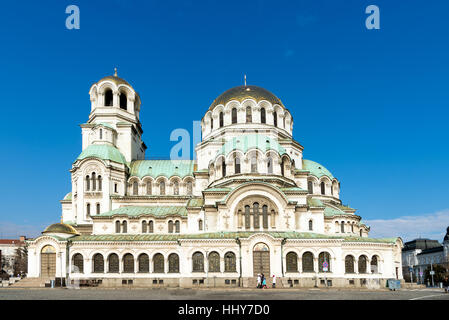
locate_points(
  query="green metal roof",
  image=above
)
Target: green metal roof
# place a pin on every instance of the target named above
(316, 169)
(330, 212)
(218, 189)
(293, 189)
(222, 235)
(157, 211)
(195, 202)
(251, 141)
(102, 151)
(68, 196)
(166, 168)
(314, 202)
(106, 125)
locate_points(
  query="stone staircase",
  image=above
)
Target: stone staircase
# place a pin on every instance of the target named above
(32, 283)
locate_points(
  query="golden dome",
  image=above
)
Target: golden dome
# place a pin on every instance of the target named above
(241, 93)
(60, 228)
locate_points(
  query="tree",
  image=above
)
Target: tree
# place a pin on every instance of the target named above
(440, 273)
(21, 261)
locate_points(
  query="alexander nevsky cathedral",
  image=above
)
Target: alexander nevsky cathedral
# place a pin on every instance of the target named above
(250, 204)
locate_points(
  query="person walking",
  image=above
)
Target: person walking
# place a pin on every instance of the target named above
(259, 280)
(446, 284)
(274, 281)
(264, 282)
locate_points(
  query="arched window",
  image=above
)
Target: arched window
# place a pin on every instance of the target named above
(221, 119)
(176, 188)
(323, 188)
(200, 225)
(253, 164)
(177, 226)
(342, 226)
(256, 215)
(349, 264)
(124, 227)
(310, 225)
(275, 119)
(173, 263)
(98, 263)
(88, 209)
(361, 232)
(234, 115)
(230, 262)
(263, 118)
(94, 187)
(211, 123)
(101, 134)
(98, 208)
(292, 262)
(128, 263)
(100, 184)
(135, 188)
(214, 262)
(265, 216)
(223, 168)
(352, 227)
(307, 262)
(249, 116)
(149, 190)
(189, 188)
(123, 101)
(108, 98)
(374, 265)
(170, 226)
(151, 226)
(117, 226)
(247, 218)
(144, 263)
(324, 256)
(269, 165)
(144, 227)
(362, 264)
(237, 165)
(282, 167)
(197, 262)
(310, 187)
(158, 263)
(87, 183)
(162, 188)
(113, 263)
(78, 263)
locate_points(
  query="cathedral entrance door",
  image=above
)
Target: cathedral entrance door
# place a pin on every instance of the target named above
(261, 260)
(48, 261)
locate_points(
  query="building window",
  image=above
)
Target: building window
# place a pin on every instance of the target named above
(158, 263)
(256, 215)
(162, 188)
(124, 227)
(230, 262)
(144, 263)
(234, 115)
(361, 232)
(108, 98)
(292, 262)
(352, 227)
(150, 226)
(100, 184)
(237, 165)
(78, 263)
(189, 188)
(223, 168)
(263, 118)
(200, 225)
(342, 226)
(113, 263)
(123, 101)
(177, 226)
(265, 216)
(117, 226)
(323, 188)
(197, 262)
(349, 264)
(324, 256)
(275, 119)
(214, 262)
(101, 134)
(307, 262)
(221, 119)
(93, 182)
(98, 263)
(247, 218)
(176, 188)
(88, 210)
(211, 123)
(170, 226)
(249, 116)
(310, 187)
(269, 165)
(173, 263)
(253, 164)
(362, 264)
(149, 190)
(115, 187)
(98, 208)
(135, 188)
(374, 265)
(310, 225)
(128, 263)
(144, 227)
(87, 183)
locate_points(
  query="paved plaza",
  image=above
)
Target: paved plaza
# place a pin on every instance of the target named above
(219, 294)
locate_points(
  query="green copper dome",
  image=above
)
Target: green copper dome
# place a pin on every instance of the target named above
(316, 169)
(102, 151)
(252, 141)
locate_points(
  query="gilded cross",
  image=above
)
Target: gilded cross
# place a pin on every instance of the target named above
(105, 227)
(287, 216)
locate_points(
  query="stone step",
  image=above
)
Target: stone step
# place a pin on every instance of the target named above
(31, 283)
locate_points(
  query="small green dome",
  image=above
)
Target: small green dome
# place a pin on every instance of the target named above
(104, 152)
(316, 169)
(252, 141)
(60, 228)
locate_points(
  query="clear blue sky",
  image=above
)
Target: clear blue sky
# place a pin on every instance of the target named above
(370, 105)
